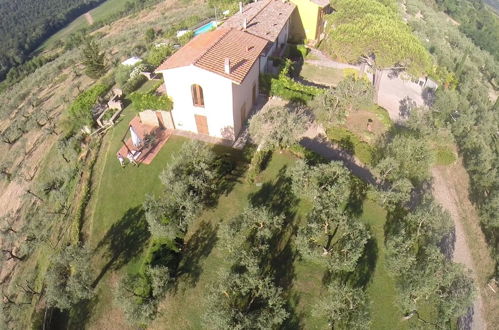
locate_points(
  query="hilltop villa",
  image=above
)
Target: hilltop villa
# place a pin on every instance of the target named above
(213, 79)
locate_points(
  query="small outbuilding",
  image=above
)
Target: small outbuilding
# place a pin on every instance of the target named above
(132, 61)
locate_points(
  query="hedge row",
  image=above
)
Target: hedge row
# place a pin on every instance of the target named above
(146, 101)
(287, 88)
(80, 111)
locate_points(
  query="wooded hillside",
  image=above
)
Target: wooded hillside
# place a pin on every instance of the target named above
(24, 24)
(476, 20)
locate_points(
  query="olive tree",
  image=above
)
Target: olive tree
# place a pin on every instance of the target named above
(278, 127)
(310, 181)
(405, 156)
(69, 277)
(343, 306)
(415, 244)
(190, 183)
(331, 237)
(253, 230)
(333, 106)
(138, 295)
(243, 300)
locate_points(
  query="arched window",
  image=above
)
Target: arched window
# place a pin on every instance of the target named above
(197, 95)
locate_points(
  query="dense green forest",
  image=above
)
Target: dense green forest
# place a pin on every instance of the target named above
(477, 22)
(24, 24)
(493, 3)
(18, 67)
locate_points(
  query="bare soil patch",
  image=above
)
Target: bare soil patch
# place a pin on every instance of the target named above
(358, 121)
(89, 18)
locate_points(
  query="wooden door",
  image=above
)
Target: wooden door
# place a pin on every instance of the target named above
(254, 95)
(243, 116)
(202, 124)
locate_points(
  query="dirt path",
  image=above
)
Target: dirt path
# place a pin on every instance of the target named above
(448, 196)
(315, 139)
(89, 18)
(450, 190)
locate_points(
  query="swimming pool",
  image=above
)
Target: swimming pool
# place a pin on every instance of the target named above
(205, 28)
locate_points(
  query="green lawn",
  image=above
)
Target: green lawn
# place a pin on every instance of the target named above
(104, 10)
(351, 143)
(119, 236)
(444, 155)
(321, 75)
(149, 86)
(116, 228)
(381, 289)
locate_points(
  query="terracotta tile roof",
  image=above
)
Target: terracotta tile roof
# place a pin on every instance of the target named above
(209, 51)
(188, 54)
(265, 18)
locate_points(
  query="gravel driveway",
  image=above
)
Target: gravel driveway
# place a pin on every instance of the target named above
(394, 92)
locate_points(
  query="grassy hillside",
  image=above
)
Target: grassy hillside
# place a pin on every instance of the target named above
(24, 24)
(34, 158)
(100, 13)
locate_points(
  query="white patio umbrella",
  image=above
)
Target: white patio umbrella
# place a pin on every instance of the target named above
(136, 141)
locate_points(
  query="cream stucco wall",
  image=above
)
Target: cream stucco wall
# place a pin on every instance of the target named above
(223, 99)
(217, 92)
(281, 39)
(243, 95)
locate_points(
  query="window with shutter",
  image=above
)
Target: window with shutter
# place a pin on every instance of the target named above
(197, 95)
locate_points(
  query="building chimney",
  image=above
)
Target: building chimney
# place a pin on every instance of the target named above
(227, 65)
(245, 23)
(241, 7)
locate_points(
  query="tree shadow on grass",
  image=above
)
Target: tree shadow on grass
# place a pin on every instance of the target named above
(357, 196)
(362, 275)
(277, 196)
(230, 168)
(295, 319)
(366, 265)
(56, 319)
(81, 313)
(198, 247)
(124, 240)
(283, 268)
(393, 224)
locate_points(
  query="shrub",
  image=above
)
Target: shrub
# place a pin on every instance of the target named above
(142, 101)
(351, 143)
(186, 38)
(158, 54)
(310, 156)
(286, 88)
(80, 111)
(259, 162)
(444, 155)
(122, 74)
(140, 67)
(133, 84)
(296, 51)
(382, 115)
(163, 252)
(350, 72)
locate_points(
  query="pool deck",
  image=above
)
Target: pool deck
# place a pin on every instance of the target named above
(208, 26)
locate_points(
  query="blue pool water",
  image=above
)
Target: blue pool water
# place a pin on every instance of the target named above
(205, 28)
